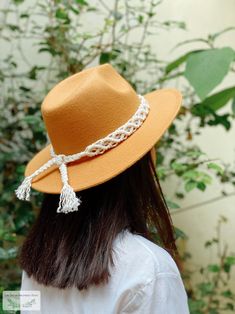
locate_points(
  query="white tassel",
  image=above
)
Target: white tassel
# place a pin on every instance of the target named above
(23, 191)
(68, 200)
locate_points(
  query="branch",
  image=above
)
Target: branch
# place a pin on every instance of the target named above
(114, 23)
(212, 200)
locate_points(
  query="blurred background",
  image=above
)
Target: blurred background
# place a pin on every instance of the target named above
(188, 45)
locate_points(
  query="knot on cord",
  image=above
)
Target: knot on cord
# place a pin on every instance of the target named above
(68, 199)
(60, 159)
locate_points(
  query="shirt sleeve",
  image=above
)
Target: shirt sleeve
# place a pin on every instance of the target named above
(165, 294)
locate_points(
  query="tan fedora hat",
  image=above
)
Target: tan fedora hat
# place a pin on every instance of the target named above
(87, 107)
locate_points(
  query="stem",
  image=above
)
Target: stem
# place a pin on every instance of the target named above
(217, 278)
(212, 200)
(114, 23)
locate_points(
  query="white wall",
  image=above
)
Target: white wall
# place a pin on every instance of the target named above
(202, 18)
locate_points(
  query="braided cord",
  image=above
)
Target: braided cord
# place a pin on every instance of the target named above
(68, 200)
(114, 138)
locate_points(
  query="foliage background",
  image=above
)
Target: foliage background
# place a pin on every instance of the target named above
(45, 41)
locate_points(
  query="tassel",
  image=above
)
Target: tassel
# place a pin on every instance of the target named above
(23, 191)
(68, 200)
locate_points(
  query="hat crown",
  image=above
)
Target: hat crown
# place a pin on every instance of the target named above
(86, 107)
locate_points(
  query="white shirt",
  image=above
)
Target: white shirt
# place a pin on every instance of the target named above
(145, 280)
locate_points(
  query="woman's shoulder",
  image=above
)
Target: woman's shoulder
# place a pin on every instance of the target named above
(148, 276)
(136, 250)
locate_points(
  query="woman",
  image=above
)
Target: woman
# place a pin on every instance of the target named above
(91, 249)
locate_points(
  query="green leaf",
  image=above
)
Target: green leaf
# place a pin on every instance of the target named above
(81, 2)
(104, 57)
(233, 106)
(214, 102)
(190, 185)
(209, 243)
(206, 288)
(228, 263)
(32, 74)
(24, 88)
(213, 268)
(117, 15)
(50, 50)
(206, 69)
(230, 306)
(191, 174)
(75, 10)
(194, 153)
(215, 167)
(196, 306)
(161, 172)
(227, 294)
(179, 167)
(24, 15)
(220, 99)
(172, 205)
(201, 186)
(180, 233)
(18, 1)
(220, 119)
(9, 237)
(140, 19)
(230, 260)
(13, 27)
(205, 178)
(61, 14)
(176, 63)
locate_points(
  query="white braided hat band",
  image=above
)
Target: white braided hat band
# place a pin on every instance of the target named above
(68, 199)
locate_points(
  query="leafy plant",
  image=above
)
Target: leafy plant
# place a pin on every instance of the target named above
(47, 41)
(212, 293)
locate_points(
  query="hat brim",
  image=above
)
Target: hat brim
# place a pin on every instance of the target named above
(164, 106)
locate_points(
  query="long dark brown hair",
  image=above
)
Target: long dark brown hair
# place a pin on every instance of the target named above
(64, 250)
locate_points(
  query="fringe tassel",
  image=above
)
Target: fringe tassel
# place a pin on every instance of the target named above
(23, 191)
(68, 200)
